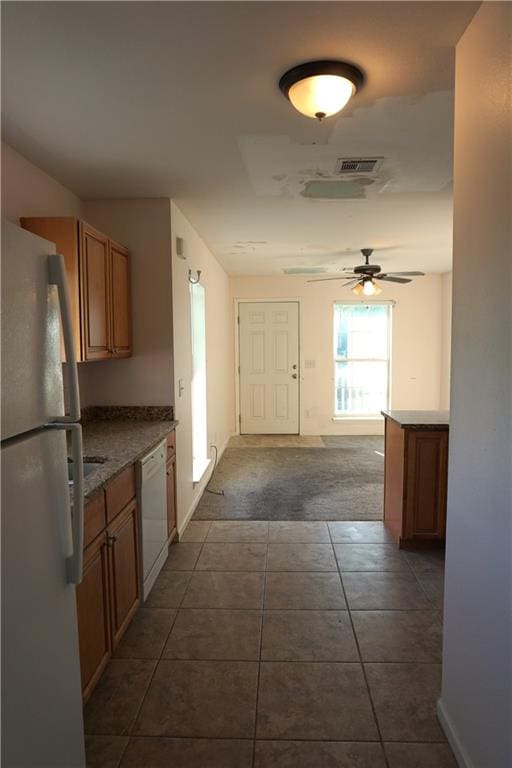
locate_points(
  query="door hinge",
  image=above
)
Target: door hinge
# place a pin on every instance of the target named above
(239, 418)
(238, 369)
(238, 319)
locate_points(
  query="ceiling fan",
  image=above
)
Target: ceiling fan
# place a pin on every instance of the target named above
(363, 277)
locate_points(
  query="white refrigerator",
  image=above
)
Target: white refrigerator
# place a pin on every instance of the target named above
(42, 537)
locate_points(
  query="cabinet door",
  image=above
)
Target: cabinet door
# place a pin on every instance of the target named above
(121, 320)
(92, 598)
(171, 496)
(95, 294)
(122, 538)
(426, 482)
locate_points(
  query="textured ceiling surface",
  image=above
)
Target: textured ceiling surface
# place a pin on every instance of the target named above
(180, 99)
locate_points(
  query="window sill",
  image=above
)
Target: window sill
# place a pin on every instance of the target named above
(376, 417)
(199, 467)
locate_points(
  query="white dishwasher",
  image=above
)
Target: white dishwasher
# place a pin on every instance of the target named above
(152, 492)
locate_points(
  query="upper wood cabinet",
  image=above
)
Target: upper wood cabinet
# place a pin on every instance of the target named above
(95, 294)
(121, 304)
(98, 272)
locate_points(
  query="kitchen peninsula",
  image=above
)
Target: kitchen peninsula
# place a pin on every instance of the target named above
(415, 476)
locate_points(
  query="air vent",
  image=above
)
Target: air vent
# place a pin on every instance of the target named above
(358, 164)
(304, 270)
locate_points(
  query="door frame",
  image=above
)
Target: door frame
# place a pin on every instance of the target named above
(237, 303)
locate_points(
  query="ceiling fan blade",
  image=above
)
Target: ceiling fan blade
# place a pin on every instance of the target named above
(324, 279)
(351, 282)
(406, 273)
(391, 279)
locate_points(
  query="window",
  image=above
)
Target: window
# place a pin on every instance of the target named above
(361, 359)
(199, 422)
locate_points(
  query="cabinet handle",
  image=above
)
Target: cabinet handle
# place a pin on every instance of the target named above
(111, 540)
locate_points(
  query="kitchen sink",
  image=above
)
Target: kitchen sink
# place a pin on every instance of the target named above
(89, 466)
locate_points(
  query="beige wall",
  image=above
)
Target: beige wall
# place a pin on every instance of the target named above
(219, 356)
(446, 338)
(416, 345)
(144, 226)
(29, 191)
(476, 702)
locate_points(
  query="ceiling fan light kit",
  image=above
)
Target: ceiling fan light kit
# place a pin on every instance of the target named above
(319, 89)
(365, 275)
(367, 288)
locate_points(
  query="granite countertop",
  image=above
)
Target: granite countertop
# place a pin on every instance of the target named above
(118, 442)
(420, 419)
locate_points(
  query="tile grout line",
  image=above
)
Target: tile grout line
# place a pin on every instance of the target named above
(431, 607)
(253, 763)
(143, 699)
(374, 712)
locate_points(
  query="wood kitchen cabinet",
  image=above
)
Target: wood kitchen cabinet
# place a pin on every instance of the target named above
(93, 610)
(122, 541)
(95, 309)
(121, 301)
(109, 593)
(98, 274)
(415, 476)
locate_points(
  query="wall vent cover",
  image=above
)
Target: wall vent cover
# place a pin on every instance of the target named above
(358, 164)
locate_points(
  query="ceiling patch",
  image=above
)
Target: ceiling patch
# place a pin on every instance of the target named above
(304, 270)
(334, 190)
(402, 144)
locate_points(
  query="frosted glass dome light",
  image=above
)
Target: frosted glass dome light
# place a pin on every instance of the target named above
(319, 89)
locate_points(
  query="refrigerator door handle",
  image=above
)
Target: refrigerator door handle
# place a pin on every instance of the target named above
(57, 276)
(74, 563)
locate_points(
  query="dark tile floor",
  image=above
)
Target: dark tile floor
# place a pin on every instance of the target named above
(278, 645)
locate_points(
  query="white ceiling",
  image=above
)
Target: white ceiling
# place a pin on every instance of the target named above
(180, 99)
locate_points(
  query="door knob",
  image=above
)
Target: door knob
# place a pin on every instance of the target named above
(294, 375)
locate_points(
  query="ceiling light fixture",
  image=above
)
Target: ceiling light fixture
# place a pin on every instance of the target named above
(321, 88)
(367, 287)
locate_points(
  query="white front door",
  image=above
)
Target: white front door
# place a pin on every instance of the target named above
(269, 367)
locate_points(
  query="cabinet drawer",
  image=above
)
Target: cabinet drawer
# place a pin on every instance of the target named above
(171, 444)
(94, 518)
(119, 492)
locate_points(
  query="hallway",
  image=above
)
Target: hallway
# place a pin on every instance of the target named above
(275, 645)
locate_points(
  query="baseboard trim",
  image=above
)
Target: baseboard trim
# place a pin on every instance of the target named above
(200, 489)
(458, 750)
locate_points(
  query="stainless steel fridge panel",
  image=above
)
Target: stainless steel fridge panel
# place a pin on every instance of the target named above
(42, 724)
(32, 390)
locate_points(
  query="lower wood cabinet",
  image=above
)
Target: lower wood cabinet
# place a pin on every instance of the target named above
(122, 542)
(109, 593)
(415, 483)
(93, 608)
